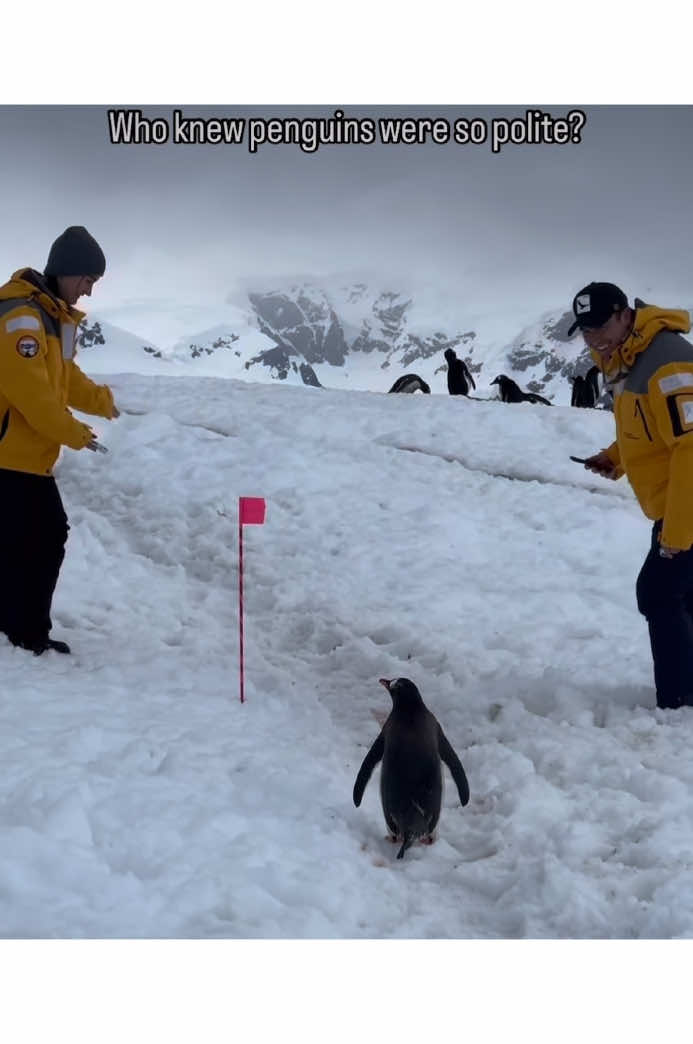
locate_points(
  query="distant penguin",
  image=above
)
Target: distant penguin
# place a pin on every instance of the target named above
(578, 396)
(411, 745)
(459, 377)
(511, 392)
(592, 384)
(586, 389)
(410, 382)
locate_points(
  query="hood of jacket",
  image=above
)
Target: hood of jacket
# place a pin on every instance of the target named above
(30, 284)
(649, 320)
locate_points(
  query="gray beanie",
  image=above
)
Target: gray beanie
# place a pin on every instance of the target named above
(75, 253)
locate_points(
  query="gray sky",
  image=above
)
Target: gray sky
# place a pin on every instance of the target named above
(190, 220)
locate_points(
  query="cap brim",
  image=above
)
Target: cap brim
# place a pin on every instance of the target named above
(573, 328)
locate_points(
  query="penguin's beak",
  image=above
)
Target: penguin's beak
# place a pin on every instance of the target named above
(386, 682)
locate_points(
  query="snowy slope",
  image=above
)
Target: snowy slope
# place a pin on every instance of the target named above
(352, 334)
(452, 542)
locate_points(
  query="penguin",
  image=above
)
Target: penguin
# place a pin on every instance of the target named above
(411, 745)
(592, 384)
(578, 396)
(511, 392)
(459, 377)
(410, 382)
(586, 389)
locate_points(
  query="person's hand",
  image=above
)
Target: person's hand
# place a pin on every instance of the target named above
(602, 464)
(116, 412)
(668, 552)
(95, 446)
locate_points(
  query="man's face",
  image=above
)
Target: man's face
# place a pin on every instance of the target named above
(607, 338)
(71, 288)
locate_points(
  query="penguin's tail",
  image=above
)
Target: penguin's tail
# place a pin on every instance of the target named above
(408, 838)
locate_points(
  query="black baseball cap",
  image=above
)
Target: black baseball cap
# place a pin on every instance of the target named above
(595, 304)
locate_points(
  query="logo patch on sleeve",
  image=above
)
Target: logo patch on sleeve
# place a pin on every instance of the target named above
(27, 347)
(681, 413)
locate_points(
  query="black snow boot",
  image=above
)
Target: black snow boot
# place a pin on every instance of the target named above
(49, 643)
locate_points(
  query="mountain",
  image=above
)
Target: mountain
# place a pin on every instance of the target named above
(341, 334)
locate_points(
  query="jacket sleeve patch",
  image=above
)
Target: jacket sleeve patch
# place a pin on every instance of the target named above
(675, 380)
(22, 322)
(27, 346)
(680, 413)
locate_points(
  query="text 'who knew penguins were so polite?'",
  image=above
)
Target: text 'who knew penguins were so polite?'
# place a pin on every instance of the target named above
(535, 127)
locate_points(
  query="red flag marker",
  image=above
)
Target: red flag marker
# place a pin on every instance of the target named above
(251, 512)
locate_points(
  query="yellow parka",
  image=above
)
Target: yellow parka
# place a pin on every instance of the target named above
(39, 378)
(653, 409)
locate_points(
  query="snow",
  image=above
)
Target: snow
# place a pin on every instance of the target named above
(222, 338)
(441, 539)
(497, 326)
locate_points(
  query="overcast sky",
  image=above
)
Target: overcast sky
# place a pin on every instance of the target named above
(537, 220)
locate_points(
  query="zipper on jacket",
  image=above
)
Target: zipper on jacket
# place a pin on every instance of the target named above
(638, 407)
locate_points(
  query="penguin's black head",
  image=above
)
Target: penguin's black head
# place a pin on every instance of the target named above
(497, 380)
(403, 692)
(450, 354)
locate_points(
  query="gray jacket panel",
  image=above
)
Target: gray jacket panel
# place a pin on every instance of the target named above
(51, 325)
(664, 348)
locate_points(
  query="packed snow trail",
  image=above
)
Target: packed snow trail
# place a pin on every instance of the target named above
(139, 798)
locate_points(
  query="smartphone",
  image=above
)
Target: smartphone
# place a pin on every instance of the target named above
(579, 460)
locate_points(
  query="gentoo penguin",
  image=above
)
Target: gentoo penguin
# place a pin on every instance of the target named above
(459, 377)
(586, 389)
(578, 394)
(411, 745)
(410, 382)
(592, 384)
(511, 392)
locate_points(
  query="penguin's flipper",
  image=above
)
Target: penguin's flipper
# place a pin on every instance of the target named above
(455, 765)
(371, 759)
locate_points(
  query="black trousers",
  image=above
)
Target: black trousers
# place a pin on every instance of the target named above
(664, 591)
(33, 533)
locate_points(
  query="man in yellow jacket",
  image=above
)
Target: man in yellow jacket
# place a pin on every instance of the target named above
(649, 367)
(39, 381)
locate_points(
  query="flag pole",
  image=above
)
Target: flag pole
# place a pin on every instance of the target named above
(251, 512)
(240, 593)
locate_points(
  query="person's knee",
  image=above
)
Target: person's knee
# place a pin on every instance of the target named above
(54, 543)
(644, 591)
(655, 591)
(661, 591)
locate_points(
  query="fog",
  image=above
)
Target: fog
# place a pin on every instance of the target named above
(532, 221)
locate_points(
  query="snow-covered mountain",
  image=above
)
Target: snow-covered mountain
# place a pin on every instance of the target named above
(340, 334)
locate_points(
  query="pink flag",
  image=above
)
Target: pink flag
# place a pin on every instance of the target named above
(251, 511)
